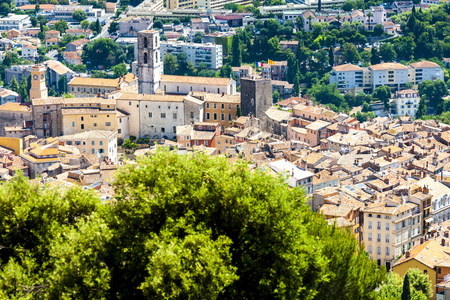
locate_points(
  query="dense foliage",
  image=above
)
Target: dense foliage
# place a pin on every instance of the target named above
(181, 228)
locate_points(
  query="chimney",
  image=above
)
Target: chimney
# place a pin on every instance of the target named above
(407, 254)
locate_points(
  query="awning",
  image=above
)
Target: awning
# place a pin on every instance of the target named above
(428, 220)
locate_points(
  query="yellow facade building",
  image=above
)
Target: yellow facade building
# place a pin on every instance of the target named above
(93, 87)
(424, 257)
(220, 108)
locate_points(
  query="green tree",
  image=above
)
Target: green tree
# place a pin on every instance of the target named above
(422, 109)
(383, 93)
(331, 56)
(296, 88)
(79, 15)
(101, 52)
(226, 71)
(170, 64)
(113, 27)
(120, 70)
(434, 91)
(276, 96)
(406, 294)
(198, 37)
(163, 37)
(387, 52)
(23, 90)
(378, 29)
(62, 85)
(350, 54)
(238, 111)
(375, 57)
(13, 85)
(158, 24)
(79, 69)
(85, 24)
(34, 21)
(420, 282)
(61, 26)
(236, 52)
(273, 46)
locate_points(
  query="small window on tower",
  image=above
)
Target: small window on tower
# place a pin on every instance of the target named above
(145, 42)
(145, 58)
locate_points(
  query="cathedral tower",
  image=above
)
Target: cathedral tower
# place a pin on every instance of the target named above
(38, 87)
(149, 61)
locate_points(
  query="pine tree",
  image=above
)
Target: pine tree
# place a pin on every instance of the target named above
(13, 85)
(331, 56)
(238, 111)
(236, 52)
(62, 85)
(296, 89)
(23, 90)
(422, 109)
(406, 294)
(98, 27)
(375, 58)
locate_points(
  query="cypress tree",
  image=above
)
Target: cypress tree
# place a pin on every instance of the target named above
(406, 294)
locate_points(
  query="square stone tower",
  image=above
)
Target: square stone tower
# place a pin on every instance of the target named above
(256, 96)
(38, 88)
(149, 61)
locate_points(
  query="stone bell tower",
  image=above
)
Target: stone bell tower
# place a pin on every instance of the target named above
(38, 87)
(149, 61)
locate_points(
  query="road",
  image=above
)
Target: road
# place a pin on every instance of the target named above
(104, 33)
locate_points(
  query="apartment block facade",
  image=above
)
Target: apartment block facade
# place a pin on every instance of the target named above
(197, 53)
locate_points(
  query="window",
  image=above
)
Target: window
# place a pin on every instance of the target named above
(93, 143)
(397, 226)
(387, 238)
(101, 143)
(387, 226)
(215, 105)
(82, 118)
(73, 124)
(223, 106)
(229, 106)
(215, 116)
(93, 151)
(178, 89)
(174, 129)
(229, 117)
(207, 105)
(145, 58)
(439, 270)
(378, 225)
(192, 115)
(163, 129)
(107, 123)
(378, 237)
(207, 116)
(95, 124)
(222, 117)
(387, 250)
(378, 250)
(174, 115)
(163, 115)
(150, 114)
(82, 126)
(369, 237)
(370, 224)
(370, 249)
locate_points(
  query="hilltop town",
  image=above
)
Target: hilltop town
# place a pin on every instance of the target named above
(346, 100)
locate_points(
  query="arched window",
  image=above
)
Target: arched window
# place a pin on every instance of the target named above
(145, 58)
(156, 42)
(145, 42)
(156, 56)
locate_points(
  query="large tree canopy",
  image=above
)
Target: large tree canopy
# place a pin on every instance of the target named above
(180, 228)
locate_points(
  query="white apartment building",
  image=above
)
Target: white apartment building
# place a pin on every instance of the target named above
(393, 75)
(347, 77)
(29, 51)
(351, 77)
(440, 203)
(65, 11)
(405, 102)
(390, 229)
(425, 70)
(379, 16)
(210, 54)
(13, 21)
(99, 142)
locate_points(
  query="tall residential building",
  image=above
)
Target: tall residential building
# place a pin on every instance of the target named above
(197, 53)
(390, 229)
(13, 21)
(149, 61)
(405, 102)
(351, 77)
(211, 4)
